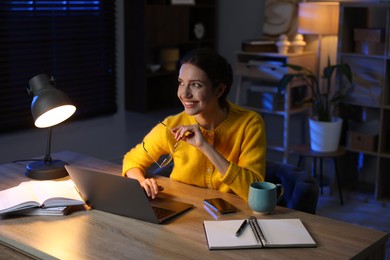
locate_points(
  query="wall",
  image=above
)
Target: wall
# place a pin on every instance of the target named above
(238, 21)
(106, 137)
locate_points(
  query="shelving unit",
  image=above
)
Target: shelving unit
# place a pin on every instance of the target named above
(154, 25)
(368, 161)
(258, 76)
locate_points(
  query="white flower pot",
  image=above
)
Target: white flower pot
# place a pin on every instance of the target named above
(325, 136)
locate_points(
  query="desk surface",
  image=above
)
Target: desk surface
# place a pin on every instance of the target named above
(98, 235)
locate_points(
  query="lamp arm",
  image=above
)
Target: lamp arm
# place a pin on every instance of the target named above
(48, 159)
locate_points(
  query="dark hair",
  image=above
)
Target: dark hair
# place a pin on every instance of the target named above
(217, 69)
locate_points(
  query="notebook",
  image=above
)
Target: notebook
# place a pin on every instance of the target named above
(122, 196)
(258, 233)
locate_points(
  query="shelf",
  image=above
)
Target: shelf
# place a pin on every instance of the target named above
(361, 151)
(259, 74)
(275, 147)
(359, 56)
(147, 36)
(362, 105)
(292, 111)
(385, 154)
(162, 73)
(370, 97)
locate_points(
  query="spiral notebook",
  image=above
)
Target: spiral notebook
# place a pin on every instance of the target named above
(258, 233)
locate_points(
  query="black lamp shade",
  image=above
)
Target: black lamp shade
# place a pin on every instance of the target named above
(50, 106)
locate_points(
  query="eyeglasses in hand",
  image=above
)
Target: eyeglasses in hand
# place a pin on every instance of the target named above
(165, 159)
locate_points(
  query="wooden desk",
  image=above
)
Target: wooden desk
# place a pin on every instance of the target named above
(98, 235)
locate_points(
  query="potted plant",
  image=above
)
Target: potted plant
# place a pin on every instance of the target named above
(324, 103)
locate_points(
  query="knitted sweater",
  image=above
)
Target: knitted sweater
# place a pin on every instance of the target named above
(240, 138)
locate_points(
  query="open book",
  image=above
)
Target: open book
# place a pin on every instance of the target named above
(258, 233)
(52, 211)
(39, 211)
(43, 194)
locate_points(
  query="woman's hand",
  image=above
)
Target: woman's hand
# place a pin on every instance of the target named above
(191, 134)
(151, 187)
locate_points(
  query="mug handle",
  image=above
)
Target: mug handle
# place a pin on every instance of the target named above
(280, 191)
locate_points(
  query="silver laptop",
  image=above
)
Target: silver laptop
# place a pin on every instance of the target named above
(122, 196)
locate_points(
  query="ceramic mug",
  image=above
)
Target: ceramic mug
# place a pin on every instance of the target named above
(263, 196)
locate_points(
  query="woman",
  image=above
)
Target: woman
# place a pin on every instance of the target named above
(213, 142)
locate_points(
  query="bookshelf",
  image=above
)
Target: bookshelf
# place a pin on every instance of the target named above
(151, 27)
(364, 43)
(258, 75)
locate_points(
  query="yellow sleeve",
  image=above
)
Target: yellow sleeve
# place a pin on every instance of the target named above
(156, 144)
(252, 160)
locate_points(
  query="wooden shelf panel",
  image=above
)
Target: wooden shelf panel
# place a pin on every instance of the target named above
(370, 98)
(293, 111)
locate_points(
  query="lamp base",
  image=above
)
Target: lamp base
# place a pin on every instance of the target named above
(42, 171)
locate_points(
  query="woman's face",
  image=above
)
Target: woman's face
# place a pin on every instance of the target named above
(195, 91)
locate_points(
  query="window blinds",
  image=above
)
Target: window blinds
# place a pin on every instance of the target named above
(74, 41)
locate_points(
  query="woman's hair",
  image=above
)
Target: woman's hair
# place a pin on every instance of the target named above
(217, 69)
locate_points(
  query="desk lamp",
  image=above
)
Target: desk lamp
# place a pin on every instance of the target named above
(49, 107)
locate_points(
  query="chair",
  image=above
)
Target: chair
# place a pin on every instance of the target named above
(301, 190)
(304, 152)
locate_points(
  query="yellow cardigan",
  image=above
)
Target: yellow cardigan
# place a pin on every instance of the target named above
(240, 139)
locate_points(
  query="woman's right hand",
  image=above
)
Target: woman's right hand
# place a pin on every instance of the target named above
(150, 185)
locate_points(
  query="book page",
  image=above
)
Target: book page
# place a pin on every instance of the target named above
(285, 233)
(222, 235)
(21, 196)
(57, 193)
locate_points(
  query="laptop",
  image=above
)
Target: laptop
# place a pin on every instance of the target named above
(123, 196)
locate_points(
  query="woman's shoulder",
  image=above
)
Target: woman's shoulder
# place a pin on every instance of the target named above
(239, 117)
(178, 119)
(241, 112)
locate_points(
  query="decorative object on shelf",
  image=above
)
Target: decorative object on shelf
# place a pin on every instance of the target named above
(199, 31)
(49, 107)
(169, 58)
(283, 44)
(363, 136)
(258, 45)
(183, 2)
(369, 41)
(320, 19)
(298, 44)
(324, 103)
(280, 17)
(154, 67)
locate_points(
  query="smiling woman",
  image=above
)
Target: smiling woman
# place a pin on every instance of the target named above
(46, 37)
(222, 146)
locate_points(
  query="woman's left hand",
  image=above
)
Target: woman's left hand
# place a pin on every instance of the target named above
(191, 134)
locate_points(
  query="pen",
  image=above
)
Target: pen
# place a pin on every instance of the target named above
(241, 228)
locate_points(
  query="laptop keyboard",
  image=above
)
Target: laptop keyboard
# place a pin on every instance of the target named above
(161, 212)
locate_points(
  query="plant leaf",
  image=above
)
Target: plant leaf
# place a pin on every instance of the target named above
(286, 79)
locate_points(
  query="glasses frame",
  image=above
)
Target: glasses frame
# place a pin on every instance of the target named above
(169, 157)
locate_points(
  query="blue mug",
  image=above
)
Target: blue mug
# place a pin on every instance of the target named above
(263, 196)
